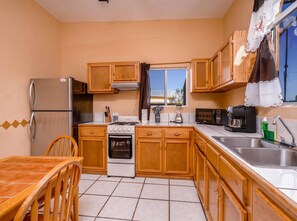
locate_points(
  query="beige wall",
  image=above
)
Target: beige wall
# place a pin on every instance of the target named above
(145, 41)
(238, 17)
(30, 47)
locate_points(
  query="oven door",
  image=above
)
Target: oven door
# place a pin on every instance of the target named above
(120, 147)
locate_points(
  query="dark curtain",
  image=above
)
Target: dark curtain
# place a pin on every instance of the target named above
(145, 90)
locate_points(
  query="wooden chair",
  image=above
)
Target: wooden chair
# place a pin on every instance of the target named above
(63, 146)
(58, 190)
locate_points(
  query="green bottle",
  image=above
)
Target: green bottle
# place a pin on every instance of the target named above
(264, 126)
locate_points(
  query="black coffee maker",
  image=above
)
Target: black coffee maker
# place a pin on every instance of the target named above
(241, 119)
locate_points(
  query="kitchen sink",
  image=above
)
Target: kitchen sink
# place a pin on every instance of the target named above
(261, 153)
(269, 157)
(234, 142)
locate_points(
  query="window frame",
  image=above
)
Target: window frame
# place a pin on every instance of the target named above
(165, 67)
(274, 27)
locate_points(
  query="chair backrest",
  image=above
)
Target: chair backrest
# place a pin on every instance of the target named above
(56, 191)
(63, 146)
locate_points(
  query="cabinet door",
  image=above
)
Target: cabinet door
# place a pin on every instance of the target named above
(201, 177)
(212, 193)
(176, 156)
(226, 63)
(126, 71)
(264, 209)
(200, 75)
(215, 71)
(93, 150)
(149, 156)
(99, 78)
(230, 208)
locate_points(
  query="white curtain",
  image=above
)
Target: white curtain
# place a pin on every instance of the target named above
(263, 88)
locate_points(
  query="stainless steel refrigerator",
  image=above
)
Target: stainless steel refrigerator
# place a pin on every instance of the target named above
(58, 105)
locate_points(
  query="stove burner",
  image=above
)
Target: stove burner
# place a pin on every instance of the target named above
(124, 123)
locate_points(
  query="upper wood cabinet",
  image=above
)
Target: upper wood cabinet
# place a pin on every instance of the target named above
(200, 75)
(99, 78)
(102, 75)
(234, 64)
(126, 72)
(215, 71)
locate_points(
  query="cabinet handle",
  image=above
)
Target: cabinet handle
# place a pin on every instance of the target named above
(176, 134)
(92, 132)
(149, 134)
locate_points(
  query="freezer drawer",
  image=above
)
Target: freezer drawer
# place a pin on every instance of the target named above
(45, 127)
(51, 94)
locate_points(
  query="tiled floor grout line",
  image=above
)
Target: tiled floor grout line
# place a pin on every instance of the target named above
(138, 199)
(109, 197)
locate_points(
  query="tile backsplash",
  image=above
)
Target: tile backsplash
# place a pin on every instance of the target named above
(169, 117)
(279, 128)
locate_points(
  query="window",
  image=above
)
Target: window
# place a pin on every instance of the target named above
(288, 55)
(168, 86)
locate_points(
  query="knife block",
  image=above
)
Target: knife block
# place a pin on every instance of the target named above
(107, 117)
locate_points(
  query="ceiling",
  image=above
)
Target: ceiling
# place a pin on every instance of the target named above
(131, 10)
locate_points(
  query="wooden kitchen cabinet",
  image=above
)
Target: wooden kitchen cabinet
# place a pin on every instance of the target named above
(229, 207)
(201, 168)
(102, 75)
(92, 147)
(176, 156)
(231, 65)
(200, 75)
(126, 72)
(265, 209)
(149, 156)
(164, 152)
(212, 200)
(215, 71)
(99, 78)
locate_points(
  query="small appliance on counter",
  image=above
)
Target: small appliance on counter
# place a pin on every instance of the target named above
(211, 116)
(241, 119)
(157, 111)
(178, 116)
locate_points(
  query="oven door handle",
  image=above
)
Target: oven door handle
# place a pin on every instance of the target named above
(119, 136)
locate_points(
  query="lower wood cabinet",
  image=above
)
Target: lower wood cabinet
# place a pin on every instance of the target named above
(229, 207)
(163, 152)
(264, 209)
(149, 155)
(92, 147)
(212, 200)
(201, 168)
(176, 157)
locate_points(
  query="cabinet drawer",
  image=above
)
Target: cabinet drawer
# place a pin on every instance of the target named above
(237, 182)
(92, 131)
(149, 132)
(213, 156)
(177, 133)
(201, 143)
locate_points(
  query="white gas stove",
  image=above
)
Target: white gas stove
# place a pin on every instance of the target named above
(121, 149)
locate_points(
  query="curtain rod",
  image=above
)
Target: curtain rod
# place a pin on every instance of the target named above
(183, 62)
(283, 15)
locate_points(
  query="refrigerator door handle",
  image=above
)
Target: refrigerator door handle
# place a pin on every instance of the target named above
(32, 126)
(32, 94)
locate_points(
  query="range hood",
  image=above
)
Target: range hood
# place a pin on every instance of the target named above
(133, 86)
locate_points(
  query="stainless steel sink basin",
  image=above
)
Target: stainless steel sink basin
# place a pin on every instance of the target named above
(269, 157)
(245, 142)
(262, 153)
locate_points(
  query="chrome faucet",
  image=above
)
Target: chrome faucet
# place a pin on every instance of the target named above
(277, 117)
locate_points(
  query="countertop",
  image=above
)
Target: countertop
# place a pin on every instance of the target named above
(285, 180)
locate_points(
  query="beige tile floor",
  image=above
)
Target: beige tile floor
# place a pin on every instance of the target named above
(105, 198)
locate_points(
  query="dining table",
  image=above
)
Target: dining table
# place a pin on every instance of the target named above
(18, 177)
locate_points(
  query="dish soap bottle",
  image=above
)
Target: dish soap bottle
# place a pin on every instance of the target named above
(264, 126)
